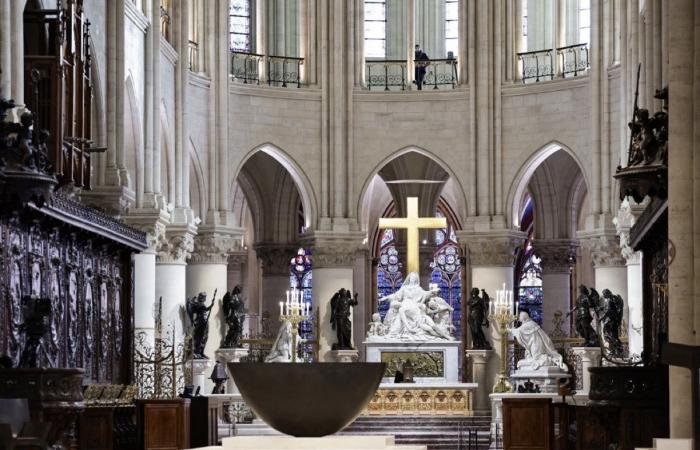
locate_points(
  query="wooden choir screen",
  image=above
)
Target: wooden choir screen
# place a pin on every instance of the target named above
(80, 259)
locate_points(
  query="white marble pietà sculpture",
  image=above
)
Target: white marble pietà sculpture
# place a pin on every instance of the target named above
(539, 349)
(282, 348)
(414, 315)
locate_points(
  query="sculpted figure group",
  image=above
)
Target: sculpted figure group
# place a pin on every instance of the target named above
(414, 315)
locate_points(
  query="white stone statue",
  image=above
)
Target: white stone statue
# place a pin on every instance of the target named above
(376, 327)
(282, 348)
(539, 349)
(412, 317)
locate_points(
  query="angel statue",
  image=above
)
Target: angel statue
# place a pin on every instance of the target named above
(232, 306)
(478, 319)
(198, 313)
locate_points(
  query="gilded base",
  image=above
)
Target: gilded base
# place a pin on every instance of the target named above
(502, 385)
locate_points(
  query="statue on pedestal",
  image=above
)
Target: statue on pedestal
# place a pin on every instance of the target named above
(282, 348)
(232, 306)
(611, 318)
(478, 319)
(198, 313)
(584, 318)
(340, 318)
(539, 349)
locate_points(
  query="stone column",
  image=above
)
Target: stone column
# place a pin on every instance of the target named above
(558, 255)
(608, 263)
(634, 303)
(480, 360)
(333, 260)
(491, 258)
(6, 49)
(206, 272)
(275, 259)
(17, 65)
(171, 275)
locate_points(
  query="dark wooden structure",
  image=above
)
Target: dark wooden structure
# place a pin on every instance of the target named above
(165, 424)
(58, 85)
(528, 424)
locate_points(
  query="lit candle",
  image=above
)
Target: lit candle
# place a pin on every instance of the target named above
(287, 296)
(281, 308)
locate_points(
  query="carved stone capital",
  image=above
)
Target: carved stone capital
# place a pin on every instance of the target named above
(558, 255)
(275, 258)
(493, 248)
(214, 247)
(237, 258)
(179, 244)
(603, 246)
(332, 249)
(153, 222)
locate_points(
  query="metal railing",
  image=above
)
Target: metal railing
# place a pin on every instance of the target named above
(389, 74)
(573, 60)
(245, 67)
(537, 66)
(439, 72)
(277, 70)
(283, 70)
(548, 64)
(193, 48)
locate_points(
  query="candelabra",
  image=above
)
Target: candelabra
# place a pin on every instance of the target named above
(502, 312)
(294, 311)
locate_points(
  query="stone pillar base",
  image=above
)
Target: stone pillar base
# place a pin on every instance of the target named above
(201, 369)
(479, 360)
(227, 355)
(590, 357)
(344, 356)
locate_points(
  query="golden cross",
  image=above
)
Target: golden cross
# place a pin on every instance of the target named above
(412, 223)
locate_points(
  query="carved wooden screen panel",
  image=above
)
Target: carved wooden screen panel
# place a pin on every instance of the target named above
(86, 277)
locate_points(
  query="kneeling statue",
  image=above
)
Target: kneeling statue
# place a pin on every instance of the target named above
(539, 349)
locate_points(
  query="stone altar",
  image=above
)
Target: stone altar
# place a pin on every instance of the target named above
(434, 361)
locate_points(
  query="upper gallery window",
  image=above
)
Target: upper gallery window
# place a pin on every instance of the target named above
(375, 29)
(584, 21)
(240, 26)
(452, 27)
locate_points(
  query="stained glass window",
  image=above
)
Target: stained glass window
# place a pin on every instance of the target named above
(240, 25)
(301, 278)
(530, 293)
(447, 272)
(389, 276)
(452, 26)
(375, 29)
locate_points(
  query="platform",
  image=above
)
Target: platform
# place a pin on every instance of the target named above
(323, 443)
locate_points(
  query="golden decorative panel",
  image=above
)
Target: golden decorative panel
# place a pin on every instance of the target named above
(420, 400)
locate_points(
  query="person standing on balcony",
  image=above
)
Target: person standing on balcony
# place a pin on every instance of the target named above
(421, 61)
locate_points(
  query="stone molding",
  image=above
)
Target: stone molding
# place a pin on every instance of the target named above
(214, 246)
(558, 255)
(330, 249)
(237, 257)
(603, 246)
(275, 258)
(625, 219)
(493, 248)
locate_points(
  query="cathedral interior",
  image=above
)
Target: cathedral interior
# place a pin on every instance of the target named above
(342, 224)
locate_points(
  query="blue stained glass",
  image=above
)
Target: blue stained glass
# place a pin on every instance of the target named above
(447, 272)
(389, 276)
(301, 278)
(530, 292)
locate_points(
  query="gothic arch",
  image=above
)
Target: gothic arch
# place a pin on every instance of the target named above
(456, 190)
(525, 174)
(133, 142)
(299, 177)
(198, 189)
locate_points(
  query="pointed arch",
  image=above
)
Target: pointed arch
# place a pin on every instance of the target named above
(457, 192)
(165, 157)
(133, 141)
(524, 175)
(299, 177)
(198, 198)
